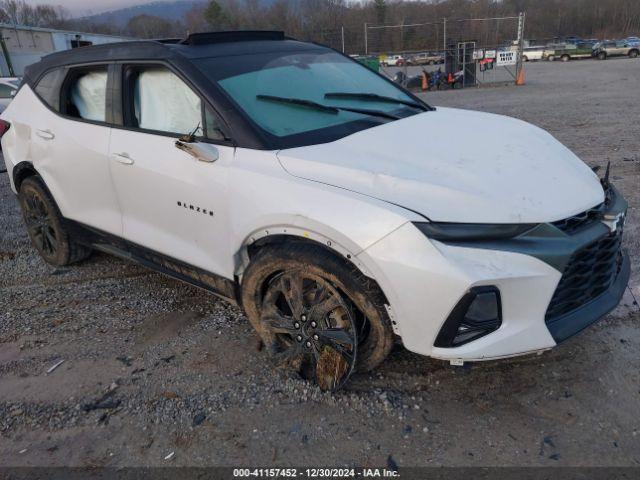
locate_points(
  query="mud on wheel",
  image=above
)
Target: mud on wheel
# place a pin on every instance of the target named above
(316, 314)
(310, 328)
(44, 225)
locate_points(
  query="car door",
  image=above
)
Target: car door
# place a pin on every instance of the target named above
(174, 200)
(70, 145)
(617, 48)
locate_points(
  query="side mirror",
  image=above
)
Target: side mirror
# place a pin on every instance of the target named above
(204, 152)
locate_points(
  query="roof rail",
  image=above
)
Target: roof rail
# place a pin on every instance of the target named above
(234, 36)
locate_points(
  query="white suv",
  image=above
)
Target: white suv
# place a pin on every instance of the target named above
(338, 210)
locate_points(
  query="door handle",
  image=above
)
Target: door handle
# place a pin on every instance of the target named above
(123, 158)
(45, 134)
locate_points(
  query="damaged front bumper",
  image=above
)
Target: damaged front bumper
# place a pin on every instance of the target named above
(553, 282)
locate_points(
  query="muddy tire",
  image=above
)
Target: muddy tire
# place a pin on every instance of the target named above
(44, 225)
(375, 334)
(602, 56)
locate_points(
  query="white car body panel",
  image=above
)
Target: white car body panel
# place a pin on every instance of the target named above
(276, 203)
(73, 163)
(517, 173)
(425, 279)
(150, 188)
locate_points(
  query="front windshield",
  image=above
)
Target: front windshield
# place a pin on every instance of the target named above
(311, 76)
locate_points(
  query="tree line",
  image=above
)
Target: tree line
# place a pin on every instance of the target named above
(331, 21)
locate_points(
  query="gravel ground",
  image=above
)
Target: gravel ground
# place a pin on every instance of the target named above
(152, 366)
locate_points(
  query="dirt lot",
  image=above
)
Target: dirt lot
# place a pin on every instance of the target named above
(152, 366)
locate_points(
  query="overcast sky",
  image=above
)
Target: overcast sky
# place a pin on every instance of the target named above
(78, 8)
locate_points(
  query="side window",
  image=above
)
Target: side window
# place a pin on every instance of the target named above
(84, 94)
(158, 100)
(6, 91)
(48, 87)
(164, 103)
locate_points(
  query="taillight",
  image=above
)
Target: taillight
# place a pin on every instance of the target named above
(4, 127)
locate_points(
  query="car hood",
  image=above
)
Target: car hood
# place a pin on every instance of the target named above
(456, 166)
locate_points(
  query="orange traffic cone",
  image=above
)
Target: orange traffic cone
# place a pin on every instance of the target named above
(520, 79)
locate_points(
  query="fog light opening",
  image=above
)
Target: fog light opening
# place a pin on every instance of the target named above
(477, 314)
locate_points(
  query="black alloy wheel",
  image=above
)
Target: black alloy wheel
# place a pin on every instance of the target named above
(40, 224)
(311, 326)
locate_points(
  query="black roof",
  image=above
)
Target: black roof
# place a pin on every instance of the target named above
(200, 45)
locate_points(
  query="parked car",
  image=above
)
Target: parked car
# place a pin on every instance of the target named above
(392, 61)
(568, 52)
(426, 59)
(8, 88)
(618, 48)
(294, 181)
(533, 53)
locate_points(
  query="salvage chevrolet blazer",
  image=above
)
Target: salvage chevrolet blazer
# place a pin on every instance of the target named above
(341, 212)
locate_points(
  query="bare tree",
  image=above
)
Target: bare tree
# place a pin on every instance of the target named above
(149, 26)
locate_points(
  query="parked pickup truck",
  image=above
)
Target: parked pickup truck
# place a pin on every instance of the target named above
(392, 61)
(619, 48)
(569, 51)
(426, 59)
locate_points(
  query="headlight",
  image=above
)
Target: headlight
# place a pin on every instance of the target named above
(464, 232)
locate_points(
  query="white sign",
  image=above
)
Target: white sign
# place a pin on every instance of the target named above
(490, 54)
(506, 58)
(478, 54)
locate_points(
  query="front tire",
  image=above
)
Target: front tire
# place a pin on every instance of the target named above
(44, 225)
(366, 302)
(602, 56)
(551, 58)
(565, 58)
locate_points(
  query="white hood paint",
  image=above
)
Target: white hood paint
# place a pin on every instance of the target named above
(456, 166)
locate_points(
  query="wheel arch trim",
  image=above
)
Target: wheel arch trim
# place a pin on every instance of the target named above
(283, 233)
(21, 171)
(288, 233)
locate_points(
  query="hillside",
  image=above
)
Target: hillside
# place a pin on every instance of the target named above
(168, 10)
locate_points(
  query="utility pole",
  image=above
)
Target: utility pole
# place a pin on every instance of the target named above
(444, 40)
(520, 52)
(366, 44)
(342, 31)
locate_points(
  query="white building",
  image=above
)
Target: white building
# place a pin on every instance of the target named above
(22, 45)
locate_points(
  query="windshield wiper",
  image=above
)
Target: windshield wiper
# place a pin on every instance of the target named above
(326, 108)
(374, 97)
(301, 102)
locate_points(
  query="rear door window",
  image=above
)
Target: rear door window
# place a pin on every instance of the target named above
(48, 87)
(84, 94)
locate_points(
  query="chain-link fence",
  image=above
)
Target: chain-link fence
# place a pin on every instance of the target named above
(437, 55)
(449, 53)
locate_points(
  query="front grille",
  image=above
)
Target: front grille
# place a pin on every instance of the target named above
(573, 224)
(589, 273)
